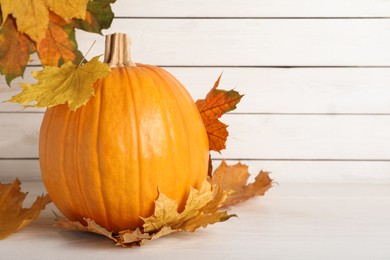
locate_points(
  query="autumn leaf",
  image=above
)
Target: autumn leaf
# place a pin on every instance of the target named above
(15, 50)
(68, 9)
(69, 84)
(235, 177)
(90, 226)
(217, 103)
(59, 44)
(13, 216)
(99, 16)
(49, 30)
(32, 16)
(201, 209)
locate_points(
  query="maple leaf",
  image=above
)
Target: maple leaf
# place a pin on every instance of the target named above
(32, 16)
(48, 27)
(235, 177)
(99, 16)
(15, 50)
(217, 103)
(59, 44)
(68, 9)
(90, 227)
(13, 216)
(69, 84)
(202, 208)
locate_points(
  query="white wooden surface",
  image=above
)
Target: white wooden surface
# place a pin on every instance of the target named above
(316, 75)
(293, 221)
(252, 8)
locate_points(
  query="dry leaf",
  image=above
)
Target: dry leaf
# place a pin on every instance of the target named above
(202, 209)
(59, 44)
(68, 84)
(90, 226)
(217, 103)
(235, 177)
(32, 16)
(166, 209)
(15, 50)
(13, 216)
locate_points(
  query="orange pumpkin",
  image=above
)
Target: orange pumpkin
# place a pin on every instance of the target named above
(140, 134)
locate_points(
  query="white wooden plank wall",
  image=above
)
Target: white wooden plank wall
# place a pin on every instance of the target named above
(316, 74)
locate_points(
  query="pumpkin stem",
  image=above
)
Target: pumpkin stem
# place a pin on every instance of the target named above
(117, 53)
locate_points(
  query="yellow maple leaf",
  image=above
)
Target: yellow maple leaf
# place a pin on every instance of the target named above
(13, 216)
(235, 177)
(69, 9)
(32, 16)
(201, 209)
(68, 84)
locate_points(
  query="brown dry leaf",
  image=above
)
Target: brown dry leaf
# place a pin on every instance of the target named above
(13, 216)
(202, 209)
(235, 177)
(217, 103)
(15, 50)
(90, 226)
(59, 44)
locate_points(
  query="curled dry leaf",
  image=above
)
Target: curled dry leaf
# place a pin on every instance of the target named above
(217, 103)
(13, 216)
(235, 177)
(201, 209)
(69, 84)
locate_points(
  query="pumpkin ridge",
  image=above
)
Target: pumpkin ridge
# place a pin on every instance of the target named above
(166, 117)
(63, 165)
(98, 105)
(80, 174)
(135, 81)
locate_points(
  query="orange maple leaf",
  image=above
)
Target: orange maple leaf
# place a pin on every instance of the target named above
(235, 177)
(59, 44)
(15, 50)
(216, 103)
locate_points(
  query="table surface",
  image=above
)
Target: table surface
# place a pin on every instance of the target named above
(293, 221)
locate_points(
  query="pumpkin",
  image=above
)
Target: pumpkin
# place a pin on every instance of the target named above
(140, 134)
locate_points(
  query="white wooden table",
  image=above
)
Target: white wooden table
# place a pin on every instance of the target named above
(293, 221)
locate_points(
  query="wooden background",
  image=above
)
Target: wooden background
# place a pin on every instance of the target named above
(315, 74)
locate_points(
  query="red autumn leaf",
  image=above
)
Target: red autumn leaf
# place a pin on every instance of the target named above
(59, 44)
(217, 103)
(15, 50)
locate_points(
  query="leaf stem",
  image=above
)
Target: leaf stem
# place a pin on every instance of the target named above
(90, 48)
